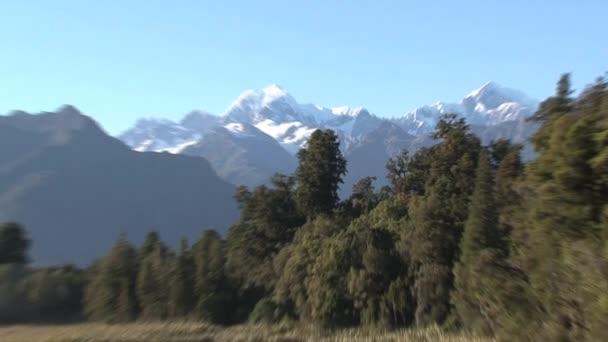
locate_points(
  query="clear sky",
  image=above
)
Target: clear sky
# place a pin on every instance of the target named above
(118, 60)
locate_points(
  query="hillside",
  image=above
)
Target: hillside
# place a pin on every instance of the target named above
(77, 189)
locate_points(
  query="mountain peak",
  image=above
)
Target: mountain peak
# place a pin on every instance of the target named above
(69, 117)
(271, 102)
(275, 90)
(491, 95)
(258, 98)
(487, 86)
(68, 110)
(488, 105)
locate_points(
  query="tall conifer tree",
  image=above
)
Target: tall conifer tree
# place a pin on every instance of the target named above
(319, 174)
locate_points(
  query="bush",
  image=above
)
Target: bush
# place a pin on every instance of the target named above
(267, 311)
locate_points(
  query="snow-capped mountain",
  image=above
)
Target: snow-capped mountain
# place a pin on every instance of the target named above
(278, 114)
(487, 106)
(163, 135)
(271, 110)
(159, 135)
(200, 122)
(260, 121)
(275, 104)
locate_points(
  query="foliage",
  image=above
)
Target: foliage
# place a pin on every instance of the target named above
(269, 219)
(110, 294)
(364, 197)
(319, 174)
(438, 217)
(52, 294)
(13, 244)
(181, 297)
(211, 287)
(486, 285)
(153, 281)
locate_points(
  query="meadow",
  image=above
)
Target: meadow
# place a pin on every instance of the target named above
(201, 332)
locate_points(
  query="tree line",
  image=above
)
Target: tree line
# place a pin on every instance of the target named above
(464, 236)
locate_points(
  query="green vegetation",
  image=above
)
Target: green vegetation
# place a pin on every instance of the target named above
(466, 238)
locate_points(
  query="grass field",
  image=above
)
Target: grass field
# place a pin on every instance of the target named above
(200, 332)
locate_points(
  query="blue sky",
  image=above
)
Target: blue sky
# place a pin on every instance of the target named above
(118, 60)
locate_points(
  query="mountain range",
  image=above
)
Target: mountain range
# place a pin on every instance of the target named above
(262, 130)
(76, 189)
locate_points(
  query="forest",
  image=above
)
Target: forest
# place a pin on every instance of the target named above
(466, 237)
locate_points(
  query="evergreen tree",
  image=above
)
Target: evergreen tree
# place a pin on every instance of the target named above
(555, 217)
(480, 251)
(432, 250)
(181, 286)
(358, 275)
(269, 220)
(328, 302)
(110, 293)
(99, 293)
(150, 244)
(438, 217)
(40, 294)
(212, 289)
(294, 263)
(152, 278)
(152, 284)
(319, 174)
(408, 175)
(564, 210)
(481, 228)
(551, 109)
(126, 305)
(377, 279)
(14, 244)
(509, 170)
(363, 197)
(509, 174)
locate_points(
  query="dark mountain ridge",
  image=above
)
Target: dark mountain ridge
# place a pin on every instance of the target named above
(76, 189)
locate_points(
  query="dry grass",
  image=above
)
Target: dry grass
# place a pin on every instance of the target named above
(201, 332)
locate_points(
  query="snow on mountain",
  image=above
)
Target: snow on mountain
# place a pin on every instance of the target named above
(143, 145)
(291, 135)
(297, 139)
(246, 131)
(492, 95)
(489, 105)
(348, 111)
(271, 103)
(346, 126)
(271, 109)
(163, 135)
(179, 148)
(237, 129)
(157, 135)
(200, 122)
(275, 104)
(277, 130)
(275, 112)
